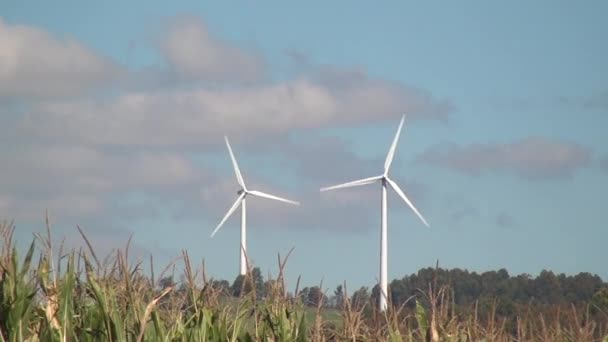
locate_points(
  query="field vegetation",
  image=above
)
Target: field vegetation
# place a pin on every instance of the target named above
(48, 294)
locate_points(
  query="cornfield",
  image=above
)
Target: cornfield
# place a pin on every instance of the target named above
(76, 296)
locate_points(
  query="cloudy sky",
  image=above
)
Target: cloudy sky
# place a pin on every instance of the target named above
(112, 116)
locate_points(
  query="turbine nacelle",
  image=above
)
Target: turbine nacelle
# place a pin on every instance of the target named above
(243, 192)
(385, 181)
(384, 178)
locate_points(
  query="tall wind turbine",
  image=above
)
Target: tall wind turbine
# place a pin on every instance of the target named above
(384, 180)
(241, 200)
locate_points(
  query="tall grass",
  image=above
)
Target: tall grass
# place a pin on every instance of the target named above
(75, 296)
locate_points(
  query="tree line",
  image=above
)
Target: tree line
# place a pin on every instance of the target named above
(491, 290)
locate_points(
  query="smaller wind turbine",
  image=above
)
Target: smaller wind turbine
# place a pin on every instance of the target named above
(241, 200)
(384, 179)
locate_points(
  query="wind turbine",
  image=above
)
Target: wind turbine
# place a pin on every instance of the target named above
(241, 200)
(384, 180)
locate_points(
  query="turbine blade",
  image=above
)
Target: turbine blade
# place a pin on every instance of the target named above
(237, 171)
(402, 195)
(277, 198)
(230, 211)
(391, 151)
(353, 183)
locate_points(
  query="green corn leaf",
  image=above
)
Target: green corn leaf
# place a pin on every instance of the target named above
(421, 318)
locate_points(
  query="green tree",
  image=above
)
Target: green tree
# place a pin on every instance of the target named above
(166, 282)
(547, 288)
(245, 284)
(599, 301)
(316, 296)
(361, 297)
(221, 285)
(338, 298)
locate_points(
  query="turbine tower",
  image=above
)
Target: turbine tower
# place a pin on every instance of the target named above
(384, 180)
(241, 200)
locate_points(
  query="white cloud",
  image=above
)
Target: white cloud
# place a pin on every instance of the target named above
(193, 53)
(92, 168)
(201, 116)
(35, 64)
(81, 156)
(31, 207)
(604, 164)
(81, 182)
(532, 158)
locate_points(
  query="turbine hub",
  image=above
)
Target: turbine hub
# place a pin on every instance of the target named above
(240, 192)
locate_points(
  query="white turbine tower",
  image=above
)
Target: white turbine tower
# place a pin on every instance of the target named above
(384, 180)
(241, 200)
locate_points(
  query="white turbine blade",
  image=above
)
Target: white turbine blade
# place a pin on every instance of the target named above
(391, 151)
(353, 183)
(237, 171)
(402, 195)
(277, 198)
(232, 209)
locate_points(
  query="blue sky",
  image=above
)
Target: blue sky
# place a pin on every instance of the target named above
(113, 116)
